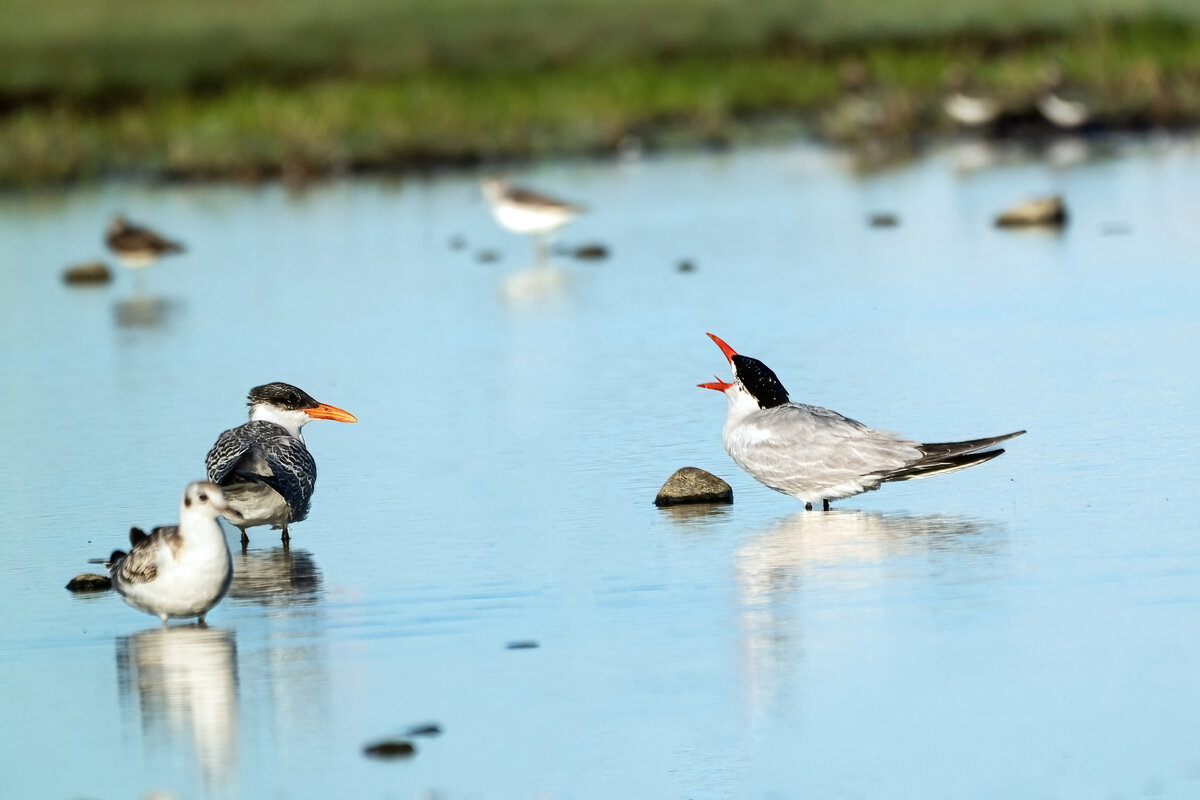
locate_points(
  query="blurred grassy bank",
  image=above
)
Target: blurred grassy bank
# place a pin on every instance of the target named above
(266, 88)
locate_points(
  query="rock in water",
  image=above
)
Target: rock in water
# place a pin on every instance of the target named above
(693, 485)
(89, 582)
(392, 748)
(1041, 211)
(91, 272)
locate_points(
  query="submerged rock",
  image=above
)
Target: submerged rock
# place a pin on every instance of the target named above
(89, 582)
(1039, 212)
(524, 644)
(487, 256)
(693, 485)
(390, 748)
(426, 729)
(685, 265)
(883, 219)
(590, 252)
(89, 272)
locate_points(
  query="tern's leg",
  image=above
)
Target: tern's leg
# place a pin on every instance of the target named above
(825, 504)
(200, 623)
(808, 506)
(285, 538)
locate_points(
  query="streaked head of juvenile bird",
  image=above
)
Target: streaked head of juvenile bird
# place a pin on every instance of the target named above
(291, 407)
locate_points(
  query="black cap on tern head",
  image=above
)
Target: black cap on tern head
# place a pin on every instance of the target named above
(282, 395)
(758, 379)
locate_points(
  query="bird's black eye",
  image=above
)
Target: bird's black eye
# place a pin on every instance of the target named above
(203, 497)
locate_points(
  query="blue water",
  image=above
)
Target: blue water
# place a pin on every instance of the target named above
(1021, 629)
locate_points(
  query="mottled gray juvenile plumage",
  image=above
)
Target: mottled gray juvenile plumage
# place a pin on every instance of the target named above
(140, 564)
(263, 452)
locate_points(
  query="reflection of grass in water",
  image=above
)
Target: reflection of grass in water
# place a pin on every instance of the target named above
(166, 96)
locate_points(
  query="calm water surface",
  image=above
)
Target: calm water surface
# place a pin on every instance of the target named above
(1023, 629)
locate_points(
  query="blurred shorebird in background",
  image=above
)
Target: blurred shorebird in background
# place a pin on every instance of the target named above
(137, 247)
(528, 212)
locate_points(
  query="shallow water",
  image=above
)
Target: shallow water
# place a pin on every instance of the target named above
(1021, 629)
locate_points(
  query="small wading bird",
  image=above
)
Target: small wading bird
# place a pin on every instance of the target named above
(263, 466)
(136, 247)
(178, 571)
(528, 212)
(815, 454)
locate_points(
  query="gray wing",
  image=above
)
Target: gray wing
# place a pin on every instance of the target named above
(531, 198)
(293, 473)
(264, 452)
(133, 238)
(231, 447)
(813, 452)
(140, 564)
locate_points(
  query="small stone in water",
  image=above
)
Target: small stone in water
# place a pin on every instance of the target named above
(87, 273)
(428, 729)
(590, 252)
(89, 582)
(1042, 211)
(392, 748)
(487, 256)
(693, 485)
(686, 265)
(884, 220)
(457, 243)
(526, 644)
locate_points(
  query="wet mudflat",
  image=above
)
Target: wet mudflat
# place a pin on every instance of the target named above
(1021, 629)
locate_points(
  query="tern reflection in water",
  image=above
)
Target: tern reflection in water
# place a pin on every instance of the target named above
(184, 681)
(279, 576)
(838, 551)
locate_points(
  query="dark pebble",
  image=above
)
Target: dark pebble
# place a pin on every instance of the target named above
(523, 645)
(392, 748)
(487, 256)
(91, 272)
(686, 265)
(89, 582)
(693, 485)
(884, 220)
(428, 729)
(457, 243)
(590, 252)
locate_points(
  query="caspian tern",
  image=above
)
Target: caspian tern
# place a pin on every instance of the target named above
(178, 571)
(815, 454)
(136, 247)
(263, 466)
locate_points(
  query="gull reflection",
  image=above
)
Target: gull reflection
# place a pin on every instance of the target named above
(275, 577)
(828, 552)
(184, 681)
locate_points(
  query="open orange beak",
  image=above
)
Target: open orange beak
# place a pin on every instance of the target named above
(719, 385)
(726, 349)
(323, 411)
